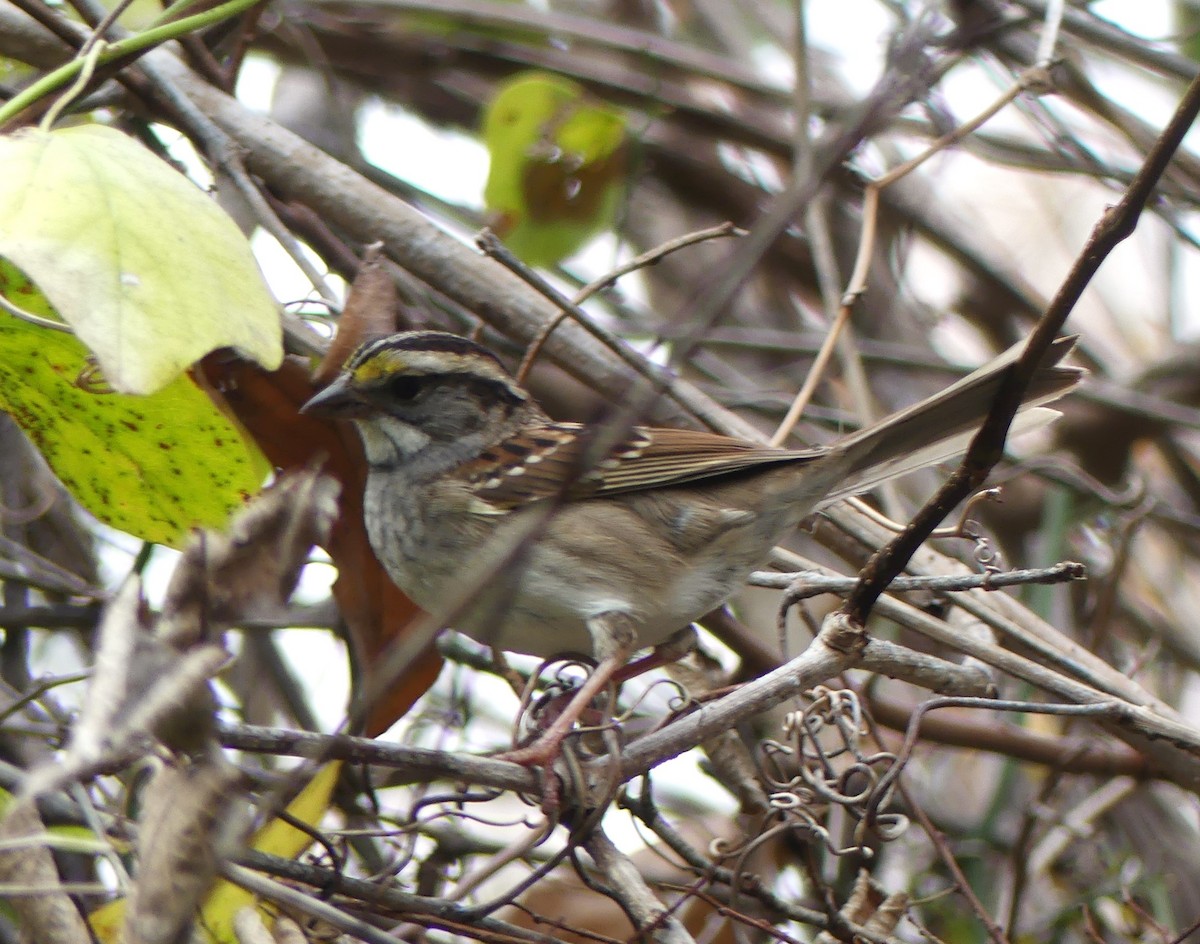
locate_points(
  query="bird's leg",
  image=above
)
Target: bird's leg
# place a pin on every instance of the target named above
(674, 649)
(665, 653)
(615, 639)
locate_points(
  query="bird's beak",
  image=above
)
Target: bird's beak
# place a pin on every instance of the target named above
(337, 401)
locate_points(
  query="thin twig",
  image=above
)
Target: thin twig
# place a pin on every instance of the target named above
(645, 259)
(988, 445)
(866, 245)
(303, 903)
(653, 256)
(628, 888)
(815, 374)
(90, 53)
(1051, 25)
(415, 908)
(136, 45)
(1085, 754)
(1080, 820)
(493, 248)
(802, 586)
(18, 312)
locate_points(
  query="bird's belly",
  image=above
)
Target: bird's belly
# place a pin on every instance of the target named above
(506, 613)
(511, 604)
(540, 598)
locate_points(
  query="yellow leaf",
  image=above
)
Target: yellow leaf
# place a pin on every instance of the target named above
(284, 840)
(148, 270)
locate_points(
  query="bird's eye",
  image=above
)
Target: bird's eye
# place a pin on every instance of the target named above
(405, 388)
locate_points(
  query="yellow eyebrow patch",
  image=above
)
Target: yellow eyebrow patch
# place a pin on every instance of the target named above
(377, 362)
(385, 363)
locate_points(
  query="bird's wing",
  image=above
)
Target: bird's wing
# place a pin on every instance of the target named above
(567, 460)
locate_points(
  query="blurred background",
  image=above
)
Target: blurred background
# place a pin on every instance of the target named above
(585, 134)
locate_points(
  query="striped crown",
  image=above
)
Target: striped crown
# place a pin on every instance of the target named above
(425, 354)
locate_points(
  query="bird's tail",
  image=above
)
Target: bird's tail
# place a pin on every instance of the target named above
(941, 427)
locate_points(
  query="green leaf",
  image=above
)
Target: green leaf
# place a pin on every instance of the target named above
(558, 162)
(1187, 29)
(155, 466)
(149, 271)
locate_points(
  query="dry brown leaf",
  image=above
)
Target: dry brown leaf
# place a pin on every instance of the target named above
(49, 917)
(371, 307)
(223, 577)
(188, 812)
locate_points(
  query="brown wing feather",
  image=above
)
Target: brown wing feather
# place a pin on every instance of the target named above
(551, 460)
(552, 456)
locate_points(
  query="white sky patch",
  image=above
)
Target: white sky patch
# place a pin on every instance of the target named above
(774, 65)
(854, 31)
(256, 83)
(320, 660)
(1154, 21)
(287, 281)
(447, 164)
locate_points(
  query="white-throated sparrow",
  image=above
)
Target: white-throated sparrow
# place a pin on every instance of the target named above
(660, 530)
